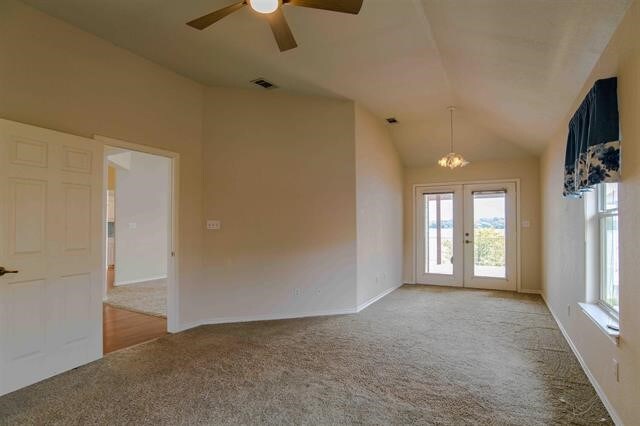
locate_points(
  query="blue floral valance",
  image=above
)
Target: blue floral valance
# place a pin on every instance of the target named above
(593, 144)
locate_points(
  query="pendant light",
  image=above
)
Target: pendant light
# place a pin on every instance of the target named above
(452, 159)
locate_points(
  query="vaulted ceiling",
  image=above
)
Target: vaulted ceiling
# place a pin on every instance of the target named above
(512, 67)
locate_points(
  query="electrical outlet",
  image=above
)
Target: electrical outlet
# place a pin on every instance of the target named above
(568, 310)
(616, 369)
(297, 292)
(214, 225)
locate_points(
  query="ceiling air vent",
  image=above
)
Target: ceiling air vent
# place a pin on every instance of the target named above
(264, 83)
(392, 120)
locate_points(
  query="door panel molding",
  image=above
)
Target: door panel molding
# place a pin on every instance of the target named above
(27, 152)
(76, 160)
(77, 214)
(27, 216)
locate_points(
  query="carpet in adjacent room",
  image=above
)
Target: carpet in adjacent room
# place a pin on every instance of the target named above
(148, 297)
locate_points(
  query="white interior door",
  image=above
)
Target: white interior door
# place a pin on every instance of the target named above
(490, 249)
(50, 232)
(439, 240)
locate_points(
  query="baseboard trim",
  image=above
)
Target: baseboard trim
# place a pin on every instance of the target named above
(142, 280)
(374, 299)
(274, 317)
(603, 397)
(266, 317)
(530, 291)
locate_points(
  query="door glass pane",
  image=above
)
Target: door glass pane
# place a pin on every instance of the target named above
(438, 233)
(489, 242)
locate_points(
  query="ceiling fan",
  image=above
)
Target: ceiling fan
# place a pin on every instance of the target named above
(272, 9)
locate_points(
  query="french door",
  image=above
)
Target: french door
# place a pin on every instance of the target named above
(467, 235)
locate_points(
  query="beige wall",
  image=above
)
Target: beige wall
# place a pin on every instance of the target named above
(527, 170)
(379, 205)
(55, 76)
(564, 233)
(280, 175)
(278, 170)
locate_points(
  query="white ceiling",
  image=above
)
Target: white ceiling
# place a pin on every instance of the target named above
(512, 67)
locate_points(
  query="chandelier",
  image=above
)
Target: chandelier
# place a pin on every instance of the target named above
(452, 159)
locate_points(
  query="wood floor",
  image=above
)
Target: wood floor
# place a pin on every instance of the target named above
(111, 276)
(123, 328)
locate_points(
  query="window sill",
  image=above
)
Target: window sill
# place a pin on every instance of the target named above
(596, 314)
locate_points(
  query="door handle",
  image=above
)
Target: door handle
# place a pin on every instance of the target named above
(468, 241)
(6, 271)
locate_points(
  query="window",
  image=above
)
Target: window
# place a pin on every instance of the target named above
(607, 194)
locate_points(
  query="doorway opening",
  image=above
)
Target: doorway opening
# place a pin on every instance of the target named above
(138, 245)
(467, 235)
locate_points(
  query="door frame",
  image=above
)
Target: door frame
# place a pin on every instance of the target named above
(173, 295)
(425, 186)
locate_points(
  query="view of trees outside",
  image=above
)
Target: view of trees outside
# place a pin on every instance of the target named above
(489, 237)
(489, 234)
(489, 247)
(489, 242)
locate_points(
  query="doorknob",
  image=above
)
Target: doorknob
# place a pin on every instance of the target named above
(468, 241)
(5, 271)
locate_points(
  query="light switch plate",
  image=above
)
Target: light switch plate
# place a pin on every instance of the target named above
(213, 225)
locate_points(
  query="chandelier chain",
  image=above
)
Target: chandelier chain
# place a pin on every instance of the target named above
(451, 122)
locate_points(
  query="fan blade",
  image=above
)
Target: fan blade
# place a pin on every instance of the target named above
(344, 6)
(281, 30)
(204, 21)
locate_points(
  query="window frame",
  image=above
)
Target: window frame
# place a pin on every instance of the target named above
(604, 213)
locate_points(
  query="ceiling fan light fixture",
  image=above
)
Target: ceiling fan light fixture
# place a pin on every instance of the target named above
(273, 14)
(264, 6)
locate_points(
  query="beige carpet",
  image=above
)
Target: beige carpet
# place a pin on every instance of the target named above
(419, 356)
(149, 297)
